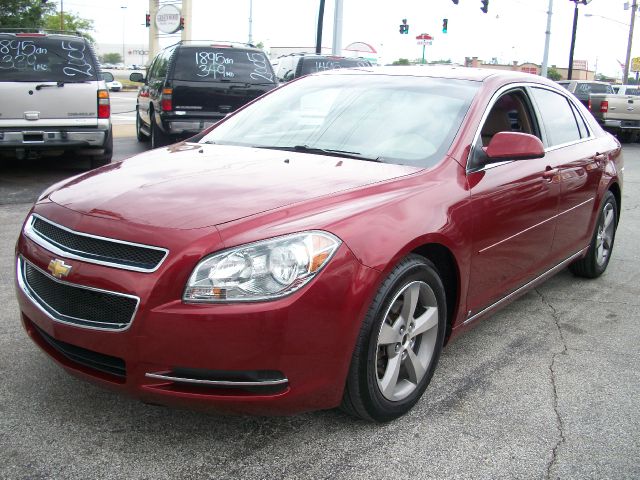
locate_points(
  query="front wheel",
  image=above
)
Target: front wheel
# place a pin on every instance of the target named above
(597, 258)
(399, 343)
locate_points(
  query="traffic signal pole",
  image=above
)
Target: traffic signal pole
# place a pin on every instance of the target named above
(319, 32)
(573, 40)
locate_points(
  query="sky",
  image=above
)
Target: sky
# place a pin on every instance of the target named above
(513, 30)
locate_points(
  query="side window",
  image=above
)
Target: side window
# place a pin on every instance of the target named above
(510, 113)
(163, 62)
(557, 116)
(153, 69)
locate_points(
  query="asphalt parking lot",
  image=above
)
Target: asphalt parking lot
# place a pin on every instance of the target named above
(549, 387)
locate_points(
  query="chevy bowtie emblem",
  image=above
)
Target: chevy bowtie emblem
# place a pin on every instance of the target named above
(58, 268)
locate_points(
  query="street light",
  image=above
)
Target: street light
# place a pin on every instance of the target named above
(573, 35)
(124, 16)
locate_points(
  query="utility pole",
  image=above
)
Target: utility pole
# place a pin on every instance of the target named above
(547, 40)
(627, 63)
(337, 29)
(62, 15)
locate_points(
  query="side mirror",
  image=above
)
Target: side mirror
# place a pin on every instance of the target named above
(513, 146)
(107, 76)
(136, 77)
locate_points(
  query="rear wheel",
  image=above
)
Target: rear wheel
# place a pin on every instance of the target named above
(107, 155)
(158, 138)
(399, 343)
(597, 258)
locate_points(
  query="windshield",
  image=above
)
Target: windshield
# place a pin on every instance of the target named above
(394, 119)
(320, 64)
(43, 59)
(206, 64)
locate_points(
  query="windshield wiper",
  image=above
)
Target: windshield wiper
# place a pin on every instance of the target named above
(323, 151)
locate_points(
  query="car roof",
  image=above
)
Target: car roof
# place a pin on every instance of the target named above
(54, 36)
(445, 72)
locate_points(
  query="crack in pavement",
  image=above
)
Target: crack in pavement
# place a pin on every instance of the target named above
(559, 423)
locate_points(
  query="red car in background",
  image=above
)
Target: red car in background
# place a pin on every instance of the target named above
(318, 247)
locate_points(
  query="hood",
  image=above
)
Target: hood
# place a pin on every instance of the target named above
(190, 185)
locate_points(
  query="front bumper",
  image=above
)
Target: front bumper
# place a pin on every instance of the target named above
(278, 357)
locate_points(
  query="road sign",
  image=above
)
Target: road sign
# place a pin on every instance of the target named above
(425, 42)
(635, 64)
(424, 36)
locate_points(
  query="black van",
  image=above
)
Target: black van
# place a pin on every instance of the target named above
(296, 65)
(192, 85)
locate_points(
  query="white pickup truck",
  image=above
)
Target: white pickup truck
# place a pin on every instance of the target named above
(618, 114)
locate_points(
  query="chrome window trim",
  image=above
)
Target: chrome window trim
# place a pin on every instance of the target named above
(39, 302)
(492, 102)
(495, 305)
(222, 383)
(66, 252)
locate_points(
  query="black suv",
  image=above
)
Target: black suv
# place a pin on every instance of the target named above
(192, 85)
(298, 64)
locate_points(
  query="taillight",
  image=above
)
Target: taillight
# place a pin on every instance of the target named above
(589, 105)
(166, 102)
(604, 106)
(104, 106)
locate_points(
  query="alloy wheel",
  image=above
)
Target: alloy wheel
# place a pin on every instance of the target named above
(406, 341)
(604, 238)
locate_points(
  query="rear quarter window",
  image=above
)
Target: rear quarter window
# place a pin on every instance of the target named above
(210, 64)
(41, 59)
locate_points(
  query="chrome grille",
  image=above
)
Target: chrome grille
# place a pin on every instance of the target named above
(93, 249)
(75, 304)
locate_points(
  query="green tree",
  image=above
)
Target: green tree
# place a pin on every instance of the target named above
(24, 13)
(111, 58)
(401, 61)
(553, 74)
(72, 23)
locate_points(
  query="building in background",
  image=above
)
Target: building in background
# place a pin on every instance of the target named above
(580, 68)
(134, 54)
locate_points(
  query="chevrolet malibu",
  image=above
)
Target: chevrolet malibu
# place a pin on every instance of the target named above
(318, 247)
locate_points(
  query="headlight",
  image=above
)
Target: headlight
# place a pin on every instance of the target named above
(263, 270)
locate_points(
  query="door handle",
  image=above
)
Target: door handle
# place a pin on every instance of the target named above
(549, 173)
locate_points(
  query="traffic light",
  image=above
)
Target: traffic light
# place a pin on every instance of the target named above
(485, 6)
(404, 27)
(181, 23)
(455, 2)
(445, 24)
(147, 20)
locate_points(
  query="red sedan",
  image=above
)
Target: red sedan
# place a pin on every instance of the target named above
(319, 247)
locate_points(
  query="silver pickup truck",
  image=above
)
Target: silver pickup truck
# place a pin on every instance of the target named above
(618, 114)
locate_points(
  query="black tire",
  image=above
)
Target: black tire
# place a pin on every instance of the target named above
(365, 394)
(158, 138)
(595, 262)
(104, 158)
(139, 135)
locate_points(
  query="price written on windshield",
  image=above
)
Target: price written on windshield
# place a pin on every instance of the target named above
(214, 64)
(21, 55)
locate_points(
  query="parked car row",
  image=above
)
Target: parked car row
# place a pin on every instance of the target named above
(191, 85)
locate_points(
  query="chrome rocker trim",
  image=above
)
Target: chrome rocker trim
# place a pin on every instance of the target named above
(519, 290)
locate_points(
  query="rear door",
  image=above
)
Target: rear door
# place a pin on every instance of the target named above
(217, 80)
(47, 81)
(573, 149)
